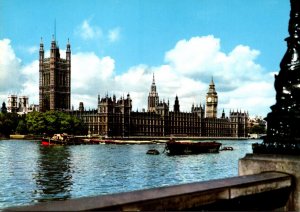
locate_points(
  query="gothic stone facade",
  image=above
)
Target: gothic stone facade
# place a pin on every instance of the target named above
(54, 79)
(115, 118)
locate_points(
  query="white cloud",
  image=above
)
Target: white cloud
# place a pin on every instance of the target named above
(255, 97)
(114, 35)
(87, 31)
(33, 49)
(10, 65)
(90, 75)
(194, 56)
(202, 57)
(31, 82)
(240, 81)
(16, 78)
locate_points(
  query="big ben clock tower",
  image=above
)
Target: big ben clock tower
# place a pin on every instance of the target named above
(211, 101)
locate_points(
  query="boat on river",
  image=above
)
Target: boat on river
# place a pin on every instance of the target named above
(227, 148)
(191, 147)
(62, 139)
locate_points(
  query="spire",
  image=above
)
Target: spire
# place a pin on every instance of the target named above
(54, 29)
(153, 86)
(223, 114)
(53, 43)
(211, 89)
(41, 45)
(153, 98)
(176, 105)
(68, 52)
(212, 81)
(68, 44)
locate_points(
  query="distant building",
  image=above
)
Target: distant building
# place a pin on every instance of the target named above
(240, 120)
(23, 105)
(54, 79)
(81, 107)
(115, 118)
(19, 105)
(33, 107)
(12, 104)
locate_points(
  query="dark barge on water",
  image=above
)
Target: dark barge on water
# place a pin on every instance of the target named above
(191, 147)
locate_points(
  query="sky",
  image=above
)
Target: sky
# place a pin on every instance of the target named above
(117, 46)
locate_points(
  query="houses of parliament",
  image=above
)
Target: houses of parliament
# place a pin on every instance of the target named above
(115, 118)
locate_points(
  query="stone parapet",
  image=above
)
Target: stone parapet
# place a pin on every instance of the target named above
(259, 163)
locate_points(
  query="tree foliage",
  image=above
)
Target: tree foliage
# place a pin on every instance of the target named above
(52, 122)
(257, 126)
(3, 108)
(38, 123)
(258, 129)
(8, 123)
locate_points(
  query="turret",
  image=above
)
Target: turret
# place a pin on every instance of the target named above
(153, 86)
(223, 114)
(176, 105)
(153, 98)
(41, 50)
(53, 47)
(68, 51)
(41, 59)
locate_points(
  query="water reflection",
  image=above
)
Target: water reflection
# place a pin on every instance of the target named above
(54, 174)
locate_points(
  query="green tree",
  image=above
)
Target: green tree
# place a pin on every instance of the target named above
(258, 129)
(35, 123)
(22, 128)
(3, 108)
(8, 123)
(52, 122)
(78, 127)
(51, 119)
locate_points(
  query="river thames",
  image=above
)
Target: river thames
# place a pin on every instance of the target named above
(31, 173)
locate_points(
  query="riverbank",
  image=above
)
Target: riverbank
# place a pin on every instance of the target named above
(194, 138)
(133, 139)
(25, 137)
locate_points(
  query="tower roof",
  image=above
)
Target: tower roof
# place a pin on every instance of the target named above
(212, 81)
(153, 86)
(153, 80)
(211, 89)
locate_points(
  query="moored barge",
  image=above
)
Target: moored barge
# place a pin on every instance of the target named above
(190, 147)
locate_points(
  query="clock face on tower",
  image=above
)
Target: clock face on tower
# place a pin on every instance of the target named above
(209, 99)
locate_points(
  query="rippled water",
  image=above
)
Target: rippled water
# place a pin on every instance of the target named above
(32, 173)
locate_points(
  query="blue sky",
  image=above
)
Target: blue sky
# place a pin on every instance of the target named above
(117, 45)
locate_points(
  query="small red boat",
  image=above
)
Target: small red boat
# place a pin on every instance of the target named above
(47, 142)
(61, 139)
(51, 142)
(191, 147)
